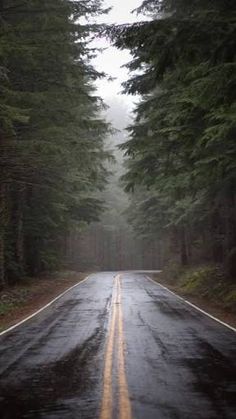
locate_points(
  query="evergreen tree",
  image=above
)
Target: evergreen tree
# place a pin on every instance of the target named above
(182, 141)
(52, 154)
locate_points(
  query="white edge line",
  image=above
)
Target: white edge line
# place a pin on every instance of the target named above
(193, 305)
(42, 308)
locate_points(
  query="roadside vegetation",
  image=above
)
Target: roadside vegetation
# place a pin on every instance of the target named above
(206, 282)
(181, 150)
(52, 156)
(209, 282)
(20, 300)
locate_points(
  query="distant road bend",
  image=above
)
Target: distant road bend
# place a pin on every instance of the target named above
(118, 346)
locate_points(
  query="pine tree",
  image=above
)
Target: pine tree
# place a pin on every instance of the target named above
(182, 140)
(53, 160)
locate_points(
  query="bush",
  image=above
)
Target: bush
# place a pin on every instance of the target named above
(209, 282)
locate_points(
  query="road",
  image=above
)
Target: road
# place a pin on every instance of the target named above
(118, 346)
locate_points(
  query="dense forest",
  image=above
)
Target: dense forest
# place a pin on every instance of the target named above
(55, 163)
(181, 150)
(112, 243)
(52, 156)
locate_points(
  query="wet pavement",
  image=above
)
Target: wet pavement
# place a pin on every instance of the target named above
(118, 346)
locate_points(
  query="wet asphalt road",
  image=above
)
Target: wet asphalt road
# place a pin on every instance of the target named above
(175, 362)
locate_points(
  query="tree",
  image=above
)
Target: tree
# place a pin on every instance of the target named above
(52, 131)
(182, 143)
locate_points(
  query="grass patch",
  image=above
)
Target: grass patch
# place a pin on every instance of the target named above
(5, 308)
(11, 299)
(230, 298)
(211, 283)
(208, 282)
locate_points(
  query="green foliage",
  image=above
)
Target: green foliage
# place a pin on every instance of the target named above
(230, 299)
(209, 282)
(181, 147)
(51, 129)
(202, 279)
(10, 300)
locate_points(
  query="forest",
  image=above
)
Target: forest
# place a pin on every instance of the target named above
(179, 172)
(181, 150)
(52, 155)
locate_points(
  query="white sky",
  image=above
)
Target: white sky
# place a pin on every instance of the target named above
(111, 60)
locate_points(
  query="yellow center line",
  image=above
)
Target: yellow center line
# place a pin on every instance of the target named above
(106, 408)
(124, 401)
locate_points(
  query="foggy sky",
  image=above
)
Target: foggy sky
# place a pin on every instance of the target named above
(111, 60)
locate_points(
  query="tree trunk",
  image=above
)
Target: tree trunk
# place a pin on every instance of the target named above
(2, 234)
(2, 206)
(183, 246)
(20, 256)
(231, 232)
(216, 240)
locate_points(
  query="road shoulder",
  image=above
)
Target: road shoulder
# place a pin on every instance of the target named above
(24, 299)
(203, 303)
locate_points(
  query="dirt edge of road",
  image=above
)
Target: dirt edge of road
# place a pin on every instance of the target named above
(203, 303)
(24, 299)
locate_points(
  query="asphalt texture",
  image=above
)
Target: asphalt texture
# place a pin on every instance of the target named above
(177, 362)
